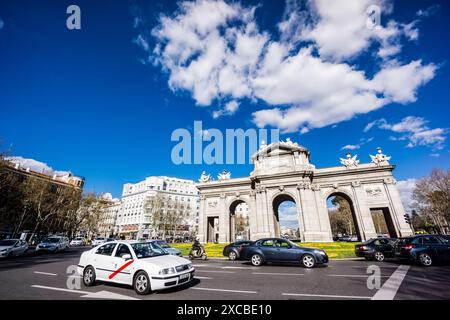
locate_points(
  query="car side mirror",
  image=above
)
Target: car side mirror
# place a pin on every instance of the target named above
(126, 256)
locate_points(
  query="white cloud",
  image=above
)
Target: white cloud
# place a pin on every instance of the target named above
(361, 142)
(405, 188)
(216, 51)
(414, 130)
(351, 147)
(229, 109)
(35, 165)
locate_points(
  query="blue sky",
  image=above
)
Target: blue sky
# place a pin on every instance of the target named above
(102, 103)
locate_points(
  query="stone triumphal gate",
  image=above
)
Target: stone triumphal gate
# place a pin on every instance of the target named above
(282, 171)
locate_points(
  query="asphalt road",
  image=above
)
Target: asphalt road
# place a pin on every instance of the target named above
(46, 276)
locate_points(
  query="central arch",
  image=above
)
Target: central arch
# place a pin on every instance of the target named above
(342, 216)
(291, 229)
(239, 221)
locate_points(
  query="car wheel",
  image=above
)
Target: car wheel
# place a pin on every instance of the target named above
(425, 259)
(379, 256)
(141, 283)
(308, 261)
(10, 254)
(89, 276)
(232, 255)
(256, 260)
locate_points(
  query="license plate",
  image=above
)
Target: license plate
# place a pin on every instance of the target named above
(184, 276)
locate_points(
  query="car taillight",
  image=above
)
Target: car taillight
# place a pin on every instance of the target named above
(408, 247)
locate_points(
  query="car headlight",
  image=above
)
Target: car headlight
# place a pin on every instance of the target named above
(4, 250)
(190, 265)
(320, 252)
(167, 271)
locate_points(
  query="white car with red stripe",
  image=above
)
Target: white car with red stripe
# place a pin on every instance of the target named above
(144, 265)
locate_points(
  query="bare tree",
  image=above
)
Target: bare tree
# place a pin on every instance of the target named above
(431, 197)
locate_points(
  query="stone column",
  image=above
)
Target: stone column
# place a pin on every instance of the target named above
(202, 220)
(224, 220)
(362, 212)
(252, 213)
(396, 209)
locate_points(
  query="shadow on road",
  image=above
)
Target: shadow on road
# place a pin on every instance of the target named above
(33, 258)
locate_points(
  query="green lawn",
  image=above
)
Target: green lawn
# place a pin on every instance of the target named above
(335, 250)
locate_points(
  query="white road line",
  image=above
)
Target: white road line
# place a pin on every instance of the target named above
(46, 273)
(60, 289)
(207, 265)
(85, 294)
(240, 268)
(224, 290)
(325, 296)
(214, 271)
(201, 278)
(390, 287)
(353, 275)
(279, 274)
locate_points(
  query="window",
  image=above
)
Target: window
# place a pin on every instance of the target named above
(267, 243)
(122, 250)
(426, 240)
(106, 250)
(283, 244)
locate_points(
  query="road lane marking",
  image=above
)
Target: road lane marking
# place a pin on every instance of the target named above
(60, 289)
(214, 271)
(240, 268)
(86, 294)
(201, 278)
(353, 275)
(46, 273)
(391, 286)
(279, 274)
(225, 290)
(325, 296)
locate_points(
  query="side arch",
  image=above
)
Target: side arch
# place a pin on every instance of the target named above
(349, 199)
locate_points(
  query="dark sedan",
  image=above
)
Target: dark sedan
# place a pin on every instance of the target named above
(375, 249)
(232, 250)
(282, 250)
(425, 249)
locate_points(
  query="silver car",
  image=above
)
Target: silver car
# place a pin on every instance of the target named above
(13, 247)
(163, 244)
(53, 244)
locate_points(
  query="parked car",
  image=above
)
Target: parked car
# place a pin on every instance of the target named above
(232, 250)
(375, 249)
(163, 244)
(53, 244)
(13, 247)
(98, 241)
(77, 242)
(148, 266)
(281, 250)
(424, 249)
(348, 238)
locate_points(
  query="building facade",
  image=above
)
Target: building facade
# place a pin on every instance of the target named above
(283, 172)
(134, 222)
(109, 214)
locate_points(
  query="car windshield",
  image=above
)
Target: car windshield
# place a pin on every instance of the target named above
(148, 250)
(446, 239)
(7, 243)
(51, 240)
(162, 244)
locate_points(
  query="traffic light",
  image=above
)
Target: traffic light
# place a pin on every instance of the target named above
(407, 218)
